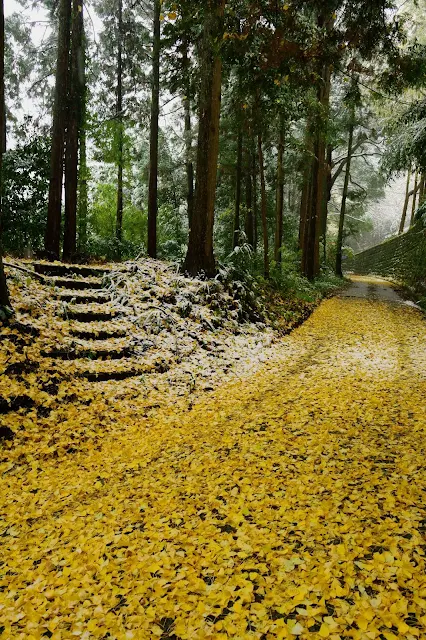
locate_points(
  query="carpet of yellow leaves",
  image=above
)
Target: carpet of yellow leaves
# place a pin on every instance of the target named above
(291, 504)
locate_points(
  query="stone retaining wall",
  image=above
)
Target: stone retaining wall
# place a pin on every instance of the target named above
(402, 258)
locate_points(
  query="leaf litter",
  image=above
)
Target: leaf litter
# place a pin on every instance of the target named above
(288, 503)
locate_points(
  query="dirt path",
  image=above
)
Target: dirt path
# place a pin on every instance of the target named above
(289, 504)
(374, 288)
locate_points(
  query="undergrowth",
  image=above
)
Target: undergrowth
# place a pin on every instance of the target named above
(286, 298)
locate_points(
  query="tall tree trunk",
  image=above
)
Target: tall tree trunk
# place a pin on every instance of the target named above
(153, 149)
(255, 212)
(327, 198)
(406, 201)
(329, 179)
(83, 172)
(188, 137)
(305, 196)
(422, 190)
(339, 271)
(238, 180)
(120, 132)
(317, 208)
(416, 188)
(264, 207)
(200, 255)
(73, 132)
(280, 196)
(53, 227)
(249, 225)
(4, 293)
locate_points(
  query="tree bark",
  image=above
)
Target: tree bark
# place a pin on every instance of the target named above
(188, 138)
(120, 133)
(249, 224)
(200, 256)
(264, 207)
(305, 197)
(413, 208)
(317, 209)
(83, 172)
(422, 190)
(73, 132)
(280, 196)
(255, 212)
(327, 198)
(339, 271)
(153, 149)
(53, 227)
(406, 201)
(238, 181)
(4, 293)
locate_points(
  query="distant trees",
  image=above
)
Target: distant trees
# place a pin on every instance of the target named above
(121, 65)
(259, 85)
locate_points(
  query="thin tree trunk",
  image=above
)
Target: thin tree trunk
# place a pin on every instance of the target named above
(188, 138)
(249, 225)
(264, 207)
(4, 293)
(238, 185)
(280, 196)
(255, 211)
(83, 173)
(322, 204)
(339, 271)
(153, 150)
(200, 256)
(406, 201)
(120, 133)
(53, 227)
(73, 132)
(416, 188)
(329, 178)
(328, 183)
(305, 202)
(422, 190)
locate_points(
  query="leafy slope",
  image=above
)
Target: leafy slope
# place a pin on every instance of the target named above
(167, 331)
(290, 505)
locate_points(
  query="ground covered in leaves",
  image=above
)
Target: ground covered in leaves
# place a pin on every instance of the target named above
(144, 326)
(288, 504)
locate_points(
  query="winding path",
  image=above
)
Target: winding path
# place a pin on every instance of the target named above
(290, 504)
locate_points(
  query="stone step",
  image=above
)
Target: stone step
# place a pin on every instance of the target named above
(69, 283)
(88, 316)
(104, 376)
(91, 354)
(47, 269)
(84, 299)
(106, 334)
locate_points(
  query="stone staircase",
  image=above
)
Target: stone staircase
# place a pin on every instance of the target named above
(95, 341)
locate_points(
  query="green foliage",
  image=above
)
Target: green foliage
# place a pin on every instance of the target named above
(243, 264)
(25, 184)
(102, 217)
(406, 139)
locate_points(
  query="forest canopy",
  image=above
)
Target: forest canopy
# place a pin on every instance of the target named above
(190, 131)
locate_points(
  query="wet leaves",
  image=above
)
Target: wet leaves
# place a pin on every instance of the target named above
(289, 505)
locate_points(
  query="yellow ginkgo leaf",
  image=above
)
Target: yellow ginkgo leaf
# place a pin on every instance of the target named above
(324, 631)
